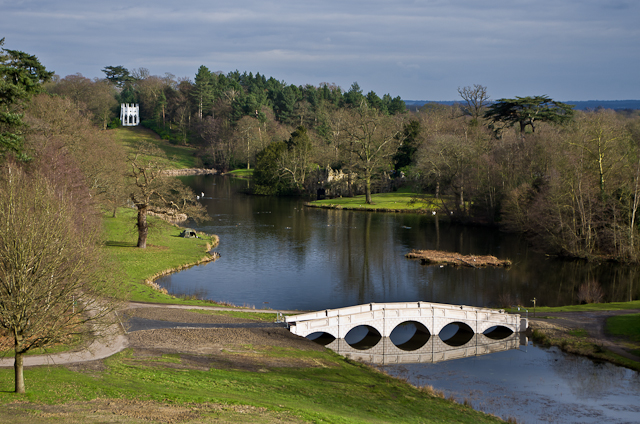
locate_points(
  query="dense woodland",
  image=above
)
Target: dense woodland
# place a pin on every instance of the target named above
(568, 179)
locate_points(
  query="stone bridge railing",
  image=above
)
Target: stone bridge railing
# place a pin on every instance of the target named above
(385, 317)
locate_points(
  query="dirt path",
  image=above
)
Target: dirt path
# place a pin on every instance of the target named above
(119, 338)
(239, 348)
(593, 322)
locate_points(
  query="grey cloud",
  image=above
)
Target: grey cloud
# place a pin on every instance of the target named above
(415, 49)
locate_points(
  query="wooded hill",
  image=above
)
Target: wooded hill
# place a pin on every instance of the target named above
(569, 179)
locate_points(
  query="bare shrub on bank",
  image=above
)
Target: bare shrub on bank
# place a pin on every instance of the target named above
(590, 292)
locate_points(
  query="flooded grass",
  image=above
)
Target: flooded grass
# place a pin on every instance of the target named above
(578, 342)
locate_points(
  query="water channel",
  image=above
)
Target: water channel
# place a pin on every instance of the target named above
(277, 253)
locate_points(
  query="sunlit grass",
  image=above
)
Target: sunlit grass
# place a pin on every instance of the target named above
(165, 250)
(241, 173)
(178, 157)
(625, 326)
(613, 306)
(401, 200)
(330, 389)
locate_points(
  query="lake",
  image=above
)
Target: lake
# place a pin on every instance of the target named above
(279, 254)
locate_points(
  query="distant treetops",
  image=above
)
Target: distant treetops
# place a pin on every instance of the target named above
(527, 111)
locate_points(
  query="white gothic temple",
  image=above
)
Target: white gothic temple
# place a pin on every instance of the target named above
(129, 114)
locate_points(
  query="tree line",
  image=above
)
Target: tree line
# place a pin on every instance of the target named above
(568, 179)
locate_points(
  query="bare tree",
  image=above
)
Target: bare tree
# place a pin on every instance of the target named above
(373, 138)
(476, 98)
(251, 138)
(604, 140)
(153, 191)
(51, 283)
(55, 125)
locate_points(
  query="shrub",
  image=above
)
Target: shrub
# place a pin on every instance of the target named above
(590, 292)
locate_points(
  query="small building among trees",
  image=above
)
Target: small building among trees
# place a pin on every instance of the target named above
(129, 114)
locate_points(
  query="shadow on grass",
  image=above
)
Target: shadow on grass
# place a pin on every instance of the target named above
(121, 244)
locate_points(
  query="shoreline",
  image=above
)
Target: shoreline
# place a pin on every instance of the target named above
(209, 257)
(583, 333)
(363, 209)
(188, 172)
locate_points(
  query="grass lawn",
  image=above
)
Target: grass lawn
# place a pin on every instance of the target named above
(627, 327)
(165, 250)
(401, 200)
(178, 157)
(577, 341)
(613, 306)
(241, 173)
(329, 389)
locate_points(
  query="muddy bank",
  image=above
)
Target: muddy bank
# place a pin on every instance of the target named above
(584, 333)
(189, 171)
(437, 257)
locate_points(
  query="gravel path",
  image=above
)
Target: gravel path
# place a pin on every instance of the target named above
(177, 328)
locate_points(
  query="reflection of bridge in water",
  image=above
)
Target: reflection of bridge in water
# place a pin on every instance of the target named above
(386, 333)
(434, 350)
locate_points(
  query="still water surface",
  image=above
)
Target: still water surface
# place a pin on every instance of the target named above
(279, 254)
(283, 255)
(535, 385)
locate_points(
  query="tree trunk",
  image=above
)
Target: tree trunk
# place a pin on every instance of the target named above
(143, 228)
(18, 368)
(367, 184)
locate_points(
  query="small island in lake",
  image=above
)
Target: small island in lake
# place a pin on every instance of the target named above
(437, 257)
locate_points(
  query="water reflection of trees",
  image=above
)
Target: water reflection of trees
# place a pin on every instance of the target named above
(363, 254)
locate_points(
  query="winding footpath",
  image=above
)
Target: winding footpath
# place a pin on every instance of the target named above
(116, 339)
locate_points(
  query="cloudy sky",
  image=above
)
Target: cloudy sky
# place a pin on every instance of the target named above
(416, 49)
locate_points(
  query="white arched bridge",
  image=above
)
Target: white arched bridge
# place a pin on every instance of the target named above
(384, 318)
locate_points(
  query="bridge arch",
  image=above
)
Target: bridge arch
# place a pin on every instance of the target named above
(363, 337)
(485, 325)
(460, 337)
(321, 338)
(498, 332)
(410, 335)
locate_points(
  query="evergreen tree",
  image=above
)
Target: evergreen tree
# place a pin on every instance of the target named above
(354, 96)
(203, 92)
(527, 111)
(21, 76)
